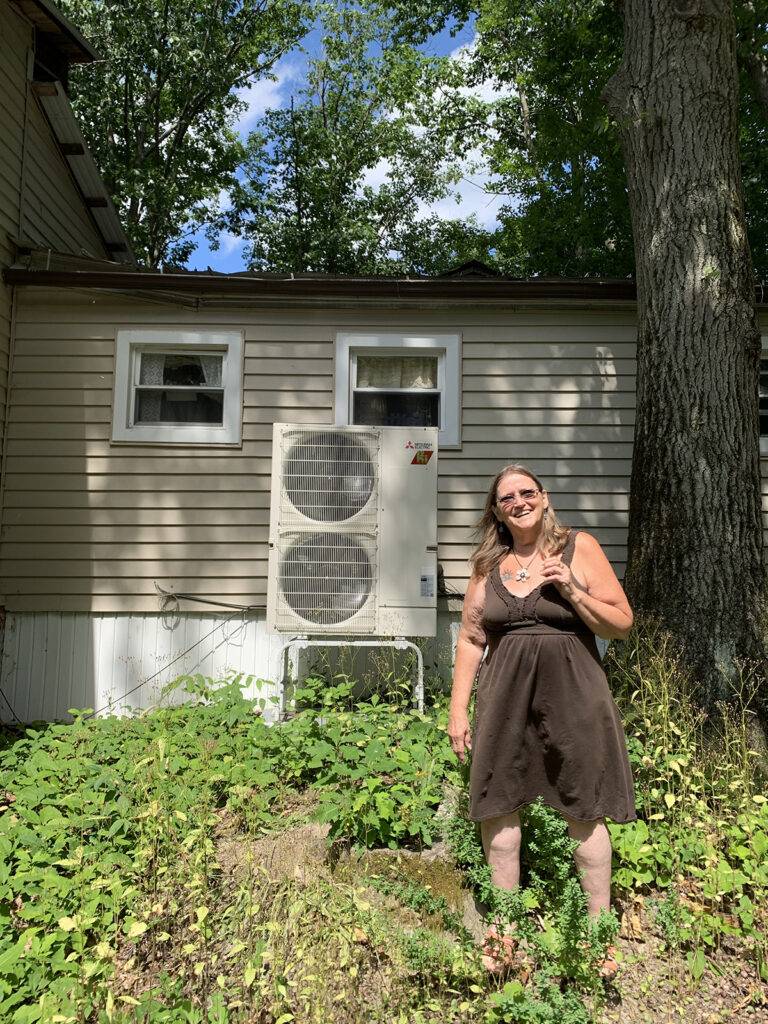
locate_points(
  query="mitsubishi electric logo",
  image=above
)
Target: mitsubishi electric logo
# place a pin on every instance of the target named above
(422, 452)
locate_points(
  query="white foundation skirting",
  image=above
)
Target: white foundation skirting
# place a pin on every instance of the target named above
(54, 661)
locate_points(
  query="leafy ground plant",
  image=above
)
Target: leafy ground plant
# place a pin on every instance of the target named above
(120, 900)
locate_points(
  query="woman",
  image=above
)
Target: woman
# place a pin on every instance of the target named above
(546, 723)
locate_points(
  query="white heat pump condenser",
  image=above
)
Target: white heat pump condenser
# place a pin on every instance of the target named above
(353, 531)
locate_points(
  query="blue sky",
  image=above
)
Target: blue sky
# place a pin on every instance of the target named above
(265, 95)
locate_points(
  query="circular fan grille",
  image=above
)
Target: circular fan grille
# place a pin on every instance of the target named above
(326, 577)
(328, 476)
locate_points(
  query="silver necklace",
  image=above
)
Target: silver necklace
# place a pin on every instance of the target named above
(522, 573)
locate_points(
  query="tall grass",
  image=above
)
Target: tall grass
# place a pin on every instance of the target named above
(699, 775)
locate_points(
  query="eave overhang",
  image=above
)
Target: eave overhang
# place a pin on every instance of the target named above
(49, 21)
(414, 290)
(42, 269)
(72, 145)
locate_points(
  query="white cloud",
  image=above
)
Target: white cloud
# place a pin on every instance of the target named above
(229, 243)
(375, 176)
(266, 94)
(470, 198)
(471, 194)
(489, 90)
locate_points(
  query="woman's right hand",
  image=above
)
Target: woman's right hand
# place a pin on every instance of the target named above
(459, 734)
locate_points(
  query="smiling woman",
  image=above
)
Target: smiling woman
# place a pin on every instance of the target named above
(546, 724)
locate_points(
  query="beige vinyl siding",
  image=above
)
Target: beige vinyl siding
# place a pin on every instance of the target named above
(55, 215)
(92, 526)
(15, 43)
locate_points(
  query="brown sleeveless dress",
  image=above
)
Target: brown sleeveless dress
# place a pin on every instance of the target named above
(546, 724)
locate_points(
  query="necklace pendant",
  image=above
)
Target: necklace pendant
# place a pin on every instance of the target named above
(522, 574)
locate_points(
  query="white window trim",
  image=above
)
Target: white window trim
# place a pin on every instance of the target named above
(129, 342)
(446, 346)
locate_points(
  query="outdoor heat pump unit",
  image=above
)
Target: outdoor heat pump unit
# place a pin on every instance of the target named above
(353, 531)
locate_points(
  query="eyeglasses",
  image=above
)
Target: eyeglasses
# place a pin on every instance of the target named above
(527, 495)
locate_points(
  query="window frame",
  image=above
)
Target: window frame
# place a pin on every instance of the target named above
(447, 348)
(130, 343)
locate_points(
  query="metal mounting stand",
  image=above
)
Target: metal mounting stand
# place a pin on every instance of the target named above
(301, 643)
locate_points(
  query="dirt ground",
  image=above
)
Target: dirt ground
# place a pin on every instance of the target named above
(655, 986)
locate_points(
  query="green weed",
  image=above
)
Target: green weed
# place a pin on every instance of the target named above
(114, 906)
(703, 821)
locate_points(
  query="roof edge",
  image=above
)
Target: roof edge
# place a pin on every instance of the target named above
(82, 52)
(470, 288)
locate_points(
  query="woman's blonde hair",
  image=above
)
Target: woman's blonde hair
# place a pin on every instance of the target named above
(494, 540)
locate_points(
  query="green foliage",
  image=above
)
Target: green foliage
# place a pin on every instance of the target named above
(380, 765)
(114, 904)
(550, 146)
(337, 180)
(107, 809)
(159, 112)
(703, 820)
(546, 1004)
(429, 955)
(563, 941)
(419, 897)
(333, 183)
(537, 119)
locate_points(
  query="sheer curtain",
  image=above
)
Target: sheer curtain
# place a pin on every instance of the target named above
(152, 366)
(150, 372)
(396, 372)
(212, 365)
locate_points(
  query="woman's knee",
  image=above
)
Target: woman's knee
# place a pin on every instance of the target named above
(594, 842)
(502, 835)
(582, 831)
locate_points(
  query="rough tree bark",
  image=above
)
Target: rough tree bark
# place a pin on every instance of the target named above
(695, 535)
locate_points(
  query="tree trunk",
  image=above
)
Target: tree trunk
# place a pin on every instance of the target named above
(695, 532)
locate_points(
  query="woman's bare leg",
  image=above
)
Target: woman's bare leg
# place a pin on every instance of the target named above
(501, 842)
(593, 858)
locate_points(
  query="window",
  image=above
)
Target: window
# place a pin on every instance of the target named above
(395, 391)
(178, 387)
(400, 380)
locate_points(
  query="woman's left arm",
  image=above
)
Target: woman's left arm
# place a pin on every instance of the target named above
(594, 591)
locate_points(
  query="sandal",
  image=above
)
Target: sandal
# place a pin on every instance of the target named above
(500, 952)
(609, 968)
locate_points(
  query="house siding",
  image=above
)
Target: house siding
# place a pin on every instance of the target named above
(16, 39)
(53, 661)
(90, 526)
(39, 202)
(54, 214)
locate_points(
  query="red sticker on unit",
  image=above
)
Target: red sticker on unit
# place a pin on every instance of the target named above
(421, 458)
